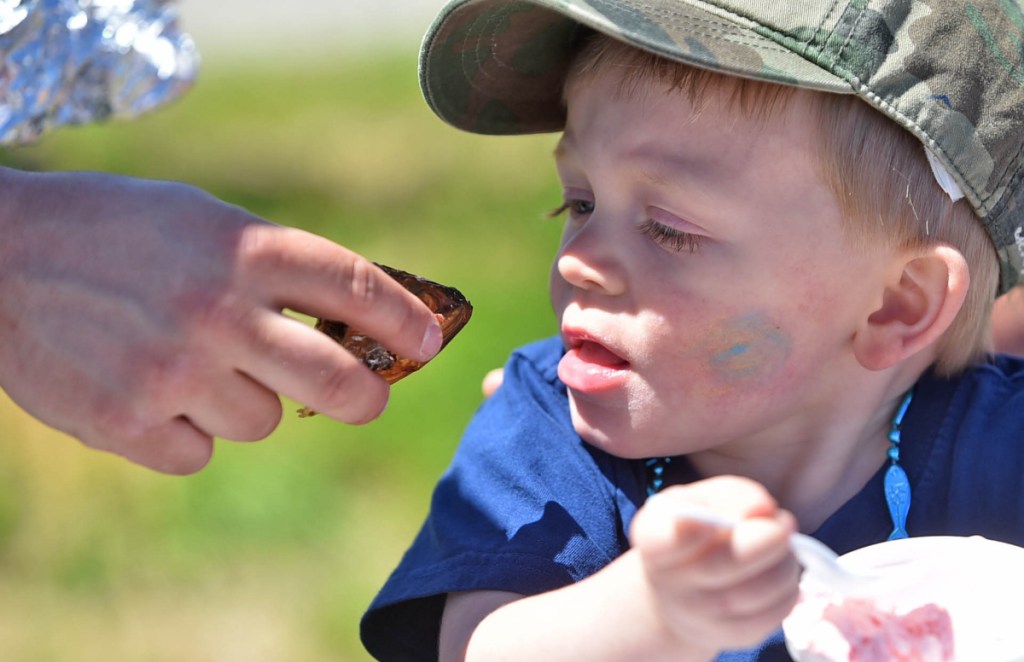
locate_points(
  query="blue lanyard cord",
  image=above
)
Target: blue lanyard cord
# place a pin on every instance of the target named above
(897, 486)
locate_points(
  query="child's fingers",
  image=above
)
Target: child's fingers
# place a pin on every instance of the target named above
(757, 589)
(725, 499)
(733, 498)
(679, 521)
(667, 540)
(745, 614)
(717, 554)
(754, 547)
(743, 598)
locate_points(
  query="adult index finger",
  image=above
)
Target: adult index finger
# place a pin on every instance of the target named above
(310, 274)
(290, 358)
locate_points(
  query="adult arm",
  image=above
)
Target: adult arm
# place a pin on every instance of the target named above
(1008, 322)
(146, 318)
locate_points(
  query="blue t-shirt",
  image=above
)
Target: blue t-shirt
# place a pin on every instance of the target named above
(527, 506)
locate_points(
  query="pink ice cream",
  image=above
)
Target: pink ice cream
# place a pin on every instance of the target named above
(944, 598)
(859, 630)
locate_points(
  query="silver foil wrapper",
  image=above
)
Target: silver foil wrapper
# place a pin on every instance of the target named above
(75, 61)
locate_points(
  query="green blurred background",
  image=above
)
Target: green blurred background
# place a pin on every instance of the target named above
(274, 550)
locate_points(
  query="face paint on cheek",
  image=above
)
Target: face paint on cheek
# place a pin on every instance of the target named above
(742, 352)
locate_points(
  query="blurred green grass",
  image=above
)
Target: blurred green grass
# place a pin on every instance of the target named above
(274, 550)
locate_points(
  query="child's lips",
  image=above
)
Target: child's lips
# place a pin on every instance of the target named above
(589, 351)
(590, 367)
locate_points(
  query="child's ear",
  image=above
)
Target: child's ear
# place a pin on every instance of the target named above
(919, 303)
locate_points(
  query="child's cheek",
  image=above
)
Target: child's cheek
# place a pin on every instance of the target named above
(741, 353)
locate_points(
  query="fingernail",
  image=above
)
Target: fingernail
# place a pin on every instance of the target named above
(432, 340)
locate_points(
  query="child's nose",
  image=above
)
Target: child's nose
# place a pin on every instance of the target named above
(589, 260)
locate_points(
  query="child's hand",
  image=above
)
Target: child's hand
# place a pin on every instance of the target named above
(718, 587)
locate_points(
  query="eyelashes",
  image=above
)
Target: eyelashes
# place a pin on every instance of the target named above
(574, 206)
(557, 211)
(668, 237)
(672, 239)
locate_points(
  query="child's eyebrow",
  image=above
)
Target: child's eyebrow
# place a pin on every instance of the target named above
(653, 175)
(656, 165)
(662, 169)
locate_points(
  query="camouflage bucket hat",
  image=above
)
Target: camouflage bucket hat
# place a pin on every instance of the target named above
(948, 71)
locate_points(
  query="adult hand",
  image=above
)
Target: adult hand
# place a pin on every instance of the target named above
(492, 381)
(145, 318)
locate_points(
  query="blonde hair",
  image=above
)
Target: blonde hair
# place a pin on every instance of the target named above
(877, 170)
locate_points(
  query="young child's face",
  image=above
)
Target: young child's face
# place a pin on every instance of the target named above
(706, 294)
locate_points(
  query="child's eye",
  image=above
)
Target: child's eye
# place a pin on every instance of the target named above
(672, 239)
(574, 207)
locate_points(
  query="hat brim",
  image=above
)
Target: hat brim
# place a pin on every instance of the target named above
(498, 67)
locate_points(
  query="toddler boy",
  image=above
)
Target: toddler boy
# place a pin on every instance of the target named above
(785, 225)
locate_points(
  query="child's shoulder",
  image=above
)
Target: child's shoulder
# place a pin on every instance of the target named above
(530, 400)
(541, 356)
(984, 401)
(531, 373)
(966, 451)
(1000, 377)
(1011, 366)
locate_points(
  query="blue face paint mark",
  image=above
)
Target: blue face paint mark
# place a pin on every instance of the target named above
(735, 351)
(746, 347)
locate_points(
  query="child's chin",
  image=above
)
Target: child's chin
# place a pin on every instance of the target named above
(608, 438)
